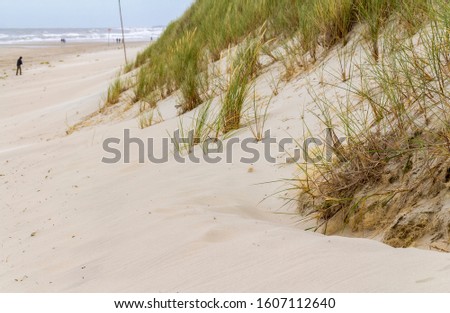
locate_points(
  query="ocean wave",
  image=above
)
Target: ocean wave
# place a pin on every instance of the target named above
(9, 36)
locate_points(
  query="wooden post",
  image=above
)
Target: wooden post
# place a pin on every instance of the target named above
(123, 34)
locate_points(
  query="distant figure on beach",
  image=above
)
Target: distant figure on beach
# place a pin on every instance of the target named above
(63, 40)
(19, 66)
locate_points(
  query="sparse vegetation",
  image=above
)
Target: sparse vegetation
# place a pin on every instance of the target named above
(243, 69)
(203, 126)
(189, 71)
(128, 68)
(210, 27)
(150, 117)
(258, 117)
(114, 92)
(397, 154)
(394, 115)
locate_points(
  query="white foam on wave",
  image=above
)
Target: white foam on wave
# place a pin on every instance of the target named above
(10, 36)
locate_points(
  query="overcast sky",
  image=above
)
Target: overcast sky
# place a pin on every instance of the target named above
(88, 13)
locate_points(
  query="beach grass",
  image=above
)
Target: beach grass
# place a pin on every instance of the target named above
(397, 127)
(394, 116)
(114, 92)
(243, 69)
(189, 71)
(179, 58)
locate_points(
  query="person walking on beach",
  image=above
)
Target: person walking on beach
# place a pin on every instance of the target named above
(19, 66)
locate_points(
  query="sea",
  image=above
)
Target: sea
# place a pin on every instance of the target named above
(38, 35)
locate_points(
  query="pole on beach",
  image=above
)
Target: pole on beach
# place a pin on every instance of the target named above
(123, 34)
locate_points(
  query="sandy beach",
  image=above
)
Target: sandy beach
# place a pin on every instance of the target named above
(70, 223)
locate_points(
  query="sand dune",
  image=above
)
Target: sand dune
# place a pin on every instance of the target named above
(69, 223)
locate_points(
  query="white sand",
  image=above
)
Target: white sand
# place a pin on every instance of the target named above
(69, 223)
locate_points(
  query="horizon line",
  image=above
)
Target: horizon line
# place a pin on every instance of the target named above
(84, 27)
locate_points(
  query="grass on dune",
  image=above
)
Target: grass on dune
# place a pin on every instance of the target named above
(150, 117)
(114, 92)
(179, 59)
(189, 71)
(243, 69)
(257, 117)
(401, 126)
(399, 152)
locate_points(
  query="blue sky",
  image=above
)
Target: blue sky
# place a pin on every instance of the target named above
(88, 13)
